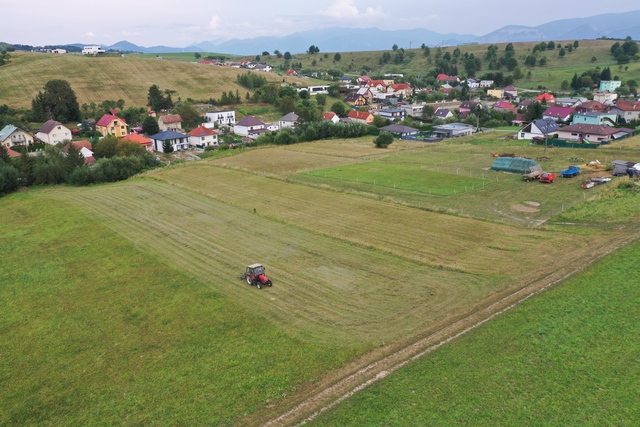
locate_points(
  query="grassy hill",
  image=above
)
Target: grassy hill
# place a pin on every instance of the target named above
(129, 77)
(95, 79)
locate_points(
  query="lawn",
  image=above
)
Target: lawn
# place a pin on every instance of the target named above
(568, 357)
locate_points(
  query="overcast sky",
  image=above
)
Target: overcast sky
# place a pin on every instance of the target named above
(181, 23)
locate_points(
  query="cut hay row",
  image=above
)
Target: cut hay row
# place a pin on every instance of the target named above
(324, 288)
(451, 242)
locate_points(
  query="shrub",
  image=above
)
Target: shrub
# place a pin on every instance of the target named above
(383, 140)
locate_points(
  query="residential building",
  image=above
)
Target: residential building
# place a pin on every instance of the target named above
(110, 124)
(570, 102)
(355, 100)
(605, 97)
(504, 105)
(85, 148)
(361, 117)
(592, 107)
(608, 119)
(391, 113)
(546, 97)
(538, 129)
(609, 85)
(495, 93)
(443, 113)
(331, 116)
(288, 121)
(591, 133)
(413, 110)
(559, 114)
(170, 122)
(222, 118)
(139, 139)
(11, 136)
(92, 50)
(53, 132)
(452, 130)
(399, 130)
(626, 110)
(247, 125)
(510, 92)
(178, 141)
(400, 89)
(366, 92)
(202, 137)
(447, 79)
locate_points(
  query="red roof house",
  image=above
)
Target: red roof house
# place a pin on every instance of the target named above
(361, 116)
(558, 113)
(546, 97)
(142, 140)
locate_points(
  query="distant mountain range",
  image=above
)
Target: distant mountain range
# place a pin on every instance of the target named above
(612, 25)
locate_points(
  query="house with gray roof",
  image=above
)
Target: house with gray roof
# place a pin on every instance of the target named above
(178, 141)
(11, 136)
(538, 129)
(399, 130)
(288, 121)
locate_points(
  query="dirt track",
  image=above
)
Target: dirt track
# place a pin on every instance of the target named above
(328, 395)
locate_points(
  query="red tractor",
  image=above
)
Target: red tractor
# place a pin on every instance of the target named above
(255, 275)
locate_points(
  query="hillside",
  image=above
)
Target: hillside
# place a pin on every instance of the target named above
(114, 77)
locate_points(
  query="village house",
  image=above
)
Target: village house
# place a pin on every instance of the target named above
(605, 97)
(495, 93)
(592, 107)
(626, 110)
(53, 132)
(452, 130)
(355, 100)
(110, 124)
(178, 141)
(11, 136)
(139, 139)
(398, 89)
(391, 113)
(202, 137)
(85, 148)
(559, 114)
(510, 92)
(288, 121)
(538, 129)
(608, 119)
(331, 117)
(400, 130)
(443, 113)
(222, 118)
(591, 133)
(447, 79)
(365, 92)
(361, 117)
(609, 85)
(247, 125)
(170, 122)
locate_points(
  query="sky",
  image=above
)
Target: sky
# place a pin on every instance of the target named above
(182, 23)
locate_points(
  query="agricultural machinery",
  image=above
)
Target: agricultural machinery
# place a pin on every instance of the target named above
(255, 275)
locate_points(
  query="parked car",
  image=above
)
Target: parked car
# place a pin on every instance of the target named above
(548, 177)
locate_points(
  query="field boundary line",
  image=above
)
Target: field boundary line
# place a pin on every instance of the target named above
(330, 396)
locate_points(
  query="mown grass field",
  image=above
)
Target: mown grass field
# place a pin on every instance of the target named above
(113, 77)
(122, 304)
(568, 357)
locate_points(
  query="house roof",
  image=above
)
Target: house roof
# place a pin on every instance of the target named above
(7, 131)
(628, 105)
(510, 88)
(250, 121)
(48, 126)
(399, 86)
(359, 115)
(546, 126)
(171, 119)
(444, 77)
(504, 105)
(201, 131)
(398, 129)
(545, 96)
(558, 112)
(590, 129)
(13, 153)
(135, 137)
(372, 83)
(291, 117)
(364, 78)
(79, 145)
(592, 105)
(168, 134)
(329, 115)
(107, 119)
(352, 97)
(442, 112)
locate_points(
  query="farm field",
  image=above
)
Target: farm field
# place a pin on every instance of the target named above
(138, 298)
(127, 78)
(567, 357)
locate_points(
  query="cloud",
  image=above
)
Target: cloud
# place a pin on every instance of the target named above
(87, 35)
(214, 23)
(346, 9)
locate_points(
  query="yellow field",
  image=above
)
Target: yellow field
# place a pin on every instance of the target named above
(112, 77)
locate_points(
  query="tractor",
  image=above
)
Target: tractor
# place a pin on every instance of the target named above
(255, 275)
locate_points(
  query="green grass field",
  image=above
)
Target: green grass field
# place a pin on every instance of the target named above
(568, 357)
(122, 304)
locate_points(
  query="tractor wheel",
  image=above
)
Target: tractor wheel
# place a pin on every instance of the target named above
(249, 281)
(269, 283)
(258, 285)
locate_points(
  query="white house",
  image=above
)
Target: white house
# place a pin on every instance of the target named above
(609, 85)
(331, 116)
(202, 137)
(248, 125)
(288, 121)
(538, 129)
(178, 141)
(59, 51)
(170, 122)
(227, 117)
(53, 132)
(92, 50)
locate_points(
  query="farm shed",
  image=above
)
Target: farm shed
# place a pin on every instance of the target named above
(513, 165)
